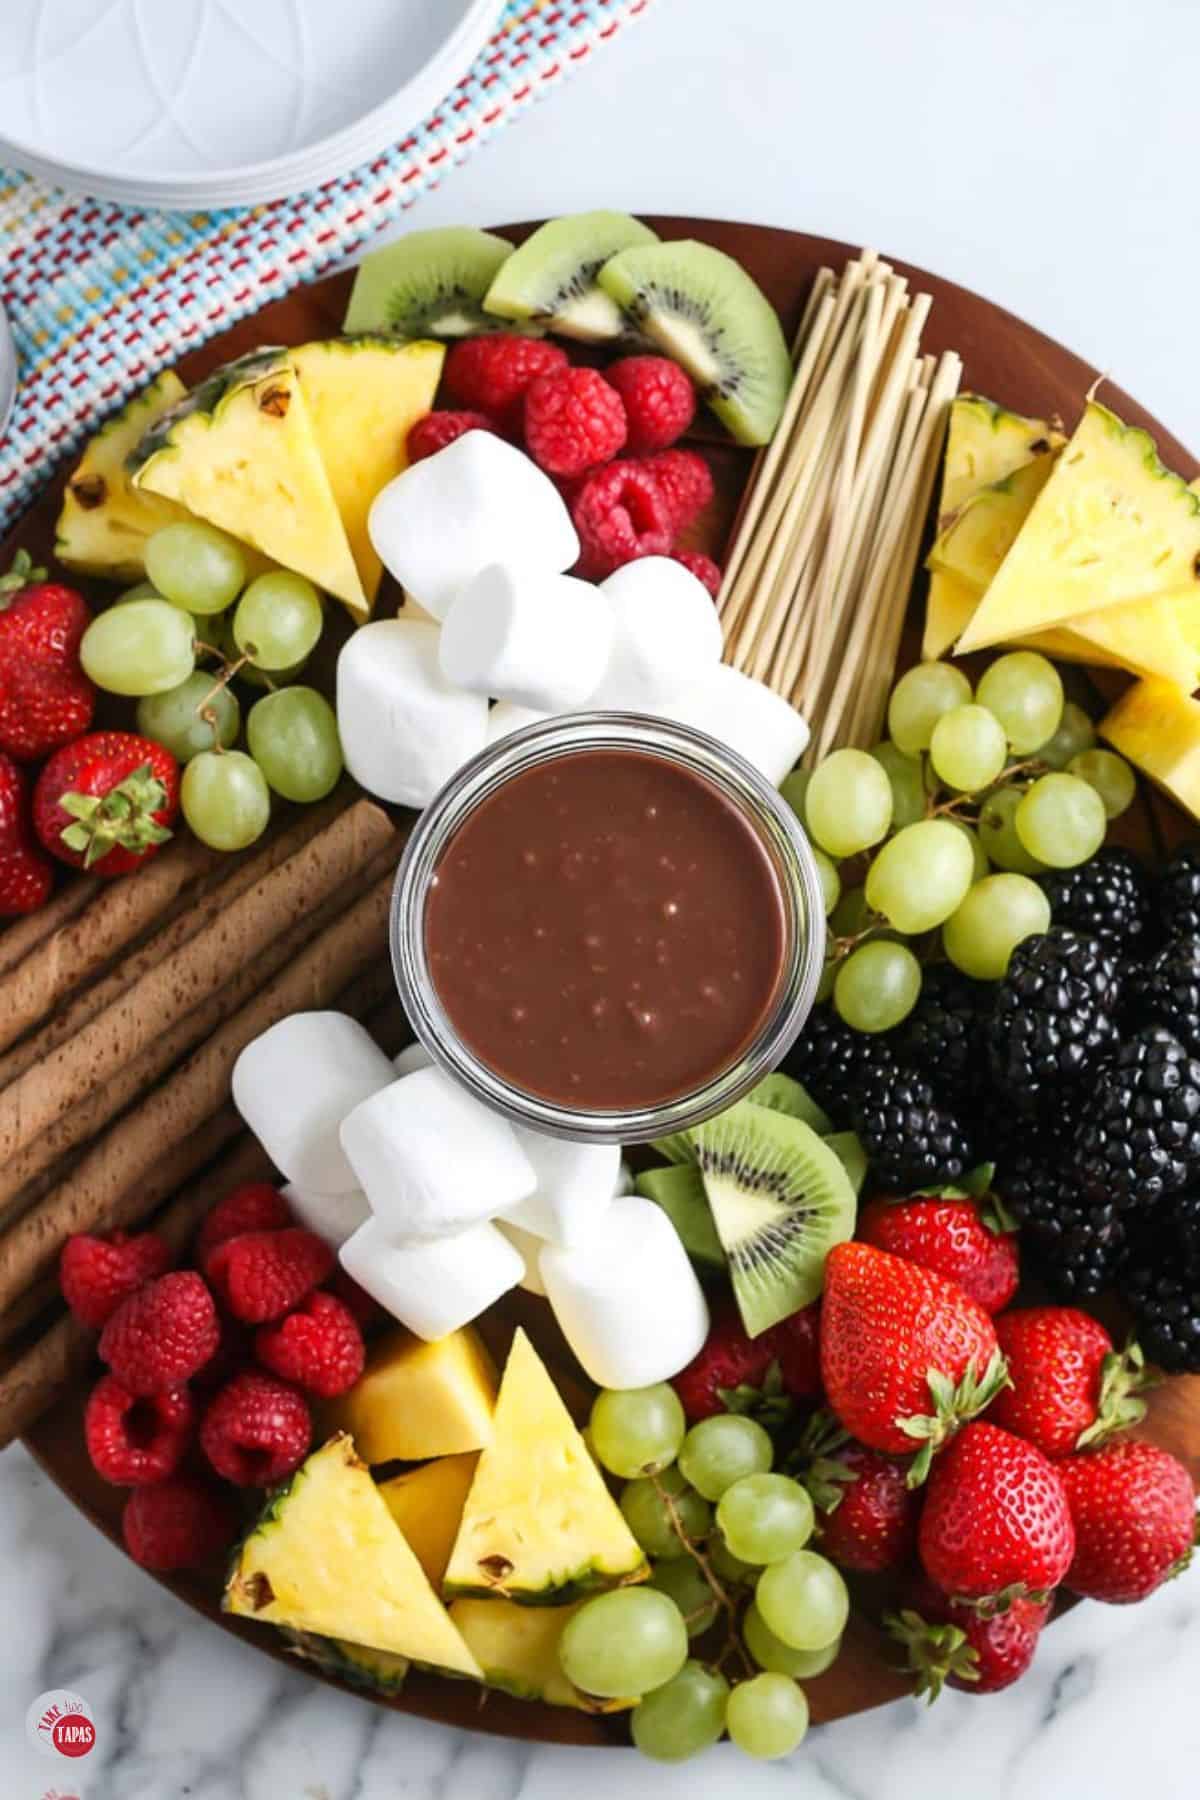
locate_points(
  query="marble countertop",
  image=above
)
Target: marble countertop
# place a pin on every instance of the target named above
(1028, 152)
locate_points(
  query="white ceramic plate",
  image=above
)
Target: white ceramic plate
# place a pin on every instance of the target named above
(210, 103)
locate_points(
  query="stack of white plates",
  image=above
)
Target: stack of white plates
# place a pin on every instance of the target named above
(212, 103)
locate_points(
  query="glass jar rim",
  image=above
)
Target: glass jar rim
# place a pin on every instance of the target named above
(760, 803)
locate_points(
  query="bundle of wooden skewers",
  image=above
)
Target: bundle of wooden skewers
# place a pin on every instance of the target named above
(823, 558)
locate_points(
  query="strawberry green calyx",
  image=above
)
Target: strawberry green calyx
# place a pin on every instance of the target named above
(1124, 1378)
(996, 1215)
(990, 1606)
(817, 1464)
(934, 1653)
(21, 575)
(952, 1407)
(124, 816)
(769, 1403)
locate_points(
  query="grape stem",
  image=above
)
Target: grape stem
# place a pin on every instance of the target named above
(733, 1642)
(966, 807)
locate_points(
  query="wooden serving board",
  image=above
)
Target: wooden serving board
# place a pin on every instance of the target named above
(1005, 359)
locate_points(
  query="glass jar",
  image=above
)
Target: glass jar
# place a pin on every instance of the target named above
(780, 834)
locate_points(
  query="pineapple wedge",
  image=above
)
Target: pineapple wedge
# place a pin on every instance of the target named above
(363, 395)
(326, 1556)
(539, 1526)
(986, 526)
(517, 1649)
(427, 1504)
(378, 1671)
(241, 452)
(1112, 525)
(1156, 727)
(105, 521)
(416, 1400)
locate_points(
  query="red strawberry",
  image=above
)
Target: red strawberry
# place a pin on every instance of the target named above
(251, 1206)
(953, 1645)
(1135, 1520)
(730, 1368)
(106, 802)
(866, 1512)
(795, 1344)
(96, 1274)
(954, 1237)
(45, 697)
(26, 876)
(906, 1355)
(1070, 1389)
(177, 1524)
(996, 1521)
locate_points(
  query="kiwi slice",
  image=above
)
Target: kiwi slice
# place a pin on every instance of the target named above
(427, 284)
(702, 308)
(780, 1199)
(679, 1190)
(850, 1153)
(783, 1093)
(551, 278)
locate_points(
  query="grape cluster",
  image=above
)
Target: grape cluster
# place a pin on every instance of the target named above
(970, 798)
(716, 1522)
(196, 606)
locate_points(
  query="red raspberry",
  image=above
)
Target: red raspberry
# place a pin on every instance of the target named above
(134, 1439)
(573, 421)
(253, 1206)
(319, 1346)
(234, 1352)
(660, 401)
(620, 514)
(686, 482)
(491, 374)
(263, 1274)
(256, 1430)
(367, 1311)
(96, 1274)
(162, 1334)
(702, 567)
(179, 1524)
(437, 429)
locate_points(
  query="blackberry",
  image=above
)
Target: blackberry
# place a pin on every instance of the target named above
(1179, 893)
(911, 1140)
(1052, 1015)
(1076, 1244)
(1138, 1136)
(835, 1062)
(941, 1033)
(1108, 896)
(1168, 990)
(1166, 1314)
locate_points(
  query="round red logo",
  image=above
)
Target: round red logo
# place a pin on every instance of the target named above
(73, 1735)
(60, 1723)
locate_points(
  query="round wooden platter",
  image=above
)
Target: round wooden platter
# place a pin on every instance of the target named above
(1005, 359)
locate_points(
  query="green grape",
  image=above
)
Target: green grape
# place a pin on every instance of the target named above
(978, 853)
(683, 1717)
(849, 803)
(907, 777)
(803, 1600)
(141, 590)
(1061, 821)
(968, 748)
(998, 833)
(637, 1431)
(278, 621)
(771, 1653)
(767, 1716)
(225, 799)
(649, 1517)
(1075, 733)
(852, 915)
(828, 975)
(293, 737)
(831, 881)
(764, 1517)
(918, 701)
(146, 647)
(1110, 775)
(223, 641)
(682, 1581)
(793, 788)
(920, 876)
(721, 1450)
(193, 717)
(623, 1643)
(726, 1566)
(195, 566)
(995, 917)
(877, 985)
(1026, 694)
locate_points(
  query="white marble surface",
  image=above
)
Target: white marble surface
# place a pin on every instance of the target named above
(1042, 153)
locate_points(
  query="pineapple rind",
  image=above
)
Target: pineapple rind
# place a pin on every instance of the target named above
(105, 521)
(985, 527)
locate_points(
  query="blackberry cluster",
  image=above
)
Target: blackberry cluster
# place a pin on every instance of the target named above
(1076, 1243)
(1107, 896)
(1138, 1137)
(942, 1033)
(1179, 893)
(1167, 990)
(835, 1062)
(1053, 1016)
(1161, 1283)
(912, 1140)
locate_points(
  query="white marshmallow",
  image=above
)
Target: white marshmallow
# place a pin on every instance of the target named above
(747, 716)
(627, 1300)
(529, 1248)
(624, 1181)
(505, 718)
(668, 636)
(523, 635)
(413, 1057)
(334, 1217)
(295, 1084)
(433, 1288)
(431, 1160)
(575, 1185)
(478, 501)
(404, 728)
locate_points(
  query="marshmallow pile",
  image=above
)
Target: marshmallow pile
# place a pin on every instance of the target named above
(437, 1206)
(480, 540)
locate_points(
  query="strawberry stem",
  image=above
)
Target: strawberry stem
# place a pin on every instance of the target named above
(933, 1652)
(124, 816)
(952, 1406)
(23, 574)
(1124, 1378)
